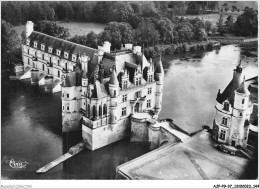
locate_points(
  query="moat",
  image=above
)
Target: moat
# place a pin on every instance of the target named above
(31, 119)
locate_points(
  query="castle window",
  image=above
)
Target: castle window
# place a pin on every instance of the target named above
(35, 44)
(149, 90)
(43, 67)
(58, 52)
(124, 84)
(140, 80)
(243, 101)
(68, 108)
(58, 73)
(222, 134)
(240, 114)
(136, 81)
(50, 49)
(94, 111)
(28, 42)
(104, 109)
(137, 94)
(224, 121)
(42, 47)
(150, 78)
(66, 55)
(148, 103)
(226, 106)
(74, 57)
(124, 98)
(42, 56)
(88, 110)
(68, 95)
(124, 111)
(100, 110)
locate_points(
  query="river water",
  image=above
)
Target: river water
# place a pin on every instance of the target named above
(31, 119)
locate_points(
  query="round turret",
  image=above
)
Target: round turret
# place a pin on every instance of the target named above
(241, 100)
(113, 84)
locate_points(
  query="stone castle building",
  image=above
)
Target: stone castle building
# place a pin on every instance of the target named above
(100, 90)
(235, 123)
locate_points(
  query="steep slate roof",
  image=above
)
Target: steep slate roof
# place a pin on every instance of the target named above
(72, 79)
(113, 78)
(159, 68)
(60, 44)
(229, 92)
(243, 89)
(99, 90)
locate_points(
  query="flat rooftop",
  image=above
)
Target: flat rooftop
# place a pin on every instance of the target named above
(195, 159)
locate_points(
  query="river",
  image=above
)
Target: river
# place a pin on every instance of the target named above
(32, 130)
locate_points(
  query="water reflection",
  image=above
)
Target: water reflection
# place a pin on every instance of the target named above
(31, 119)
(191, 84)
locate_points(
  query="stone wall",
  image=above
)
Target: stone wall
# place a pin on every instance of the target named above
(105, 135)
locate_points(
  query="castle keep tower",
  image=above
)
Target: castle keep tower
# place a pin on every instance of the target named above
(159, 87)
(233, 110)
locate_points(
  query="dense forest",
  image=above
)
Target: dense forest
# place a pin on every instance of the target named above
(149, 24)
(18, 12)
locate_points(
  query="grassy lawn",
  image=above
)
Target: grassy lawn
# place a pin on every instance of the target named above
(214, 17)
(75, 28)
(81, 28)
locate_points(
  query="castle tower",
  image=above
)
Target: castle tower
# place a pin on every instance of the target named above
(159, 87)
(241, 113)
(233, 110)
(71, 102)
(114, 92)
(84, 62)
(28, 28)
(84, 83)
(124, 79)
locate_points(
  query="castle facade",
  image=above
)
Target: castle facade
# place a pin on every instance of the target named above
(100, 89)
(236, 112)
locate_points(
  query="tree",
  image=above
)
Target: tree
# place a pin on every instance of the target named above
(208, 26)
(202, 35)
(117, 33)
(247, 23)
(185, 33)
(165, 28)
(64, 11)
(220, 24)
(52, 28)
(146, 33)
(36, 12)
(9, 42)
(229, 23)
(89, 40)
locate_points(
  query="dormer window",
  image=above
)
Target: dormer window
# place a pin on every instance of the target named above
(74, 57)
(28, 42)
(124, 84)
(58, 52)
(138, 81)
(66, 55)
(226, 106)
(35, 44)
(42, 47)
(50, 49)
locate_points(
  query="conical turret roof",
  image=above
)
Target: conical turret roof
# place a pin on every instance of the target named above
(229, 92)
(243, 89)
(160, 66)
(113, 78)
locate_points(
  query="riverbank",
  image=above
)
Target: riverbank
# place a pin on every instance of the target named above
(231, 40)
(180, 48)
